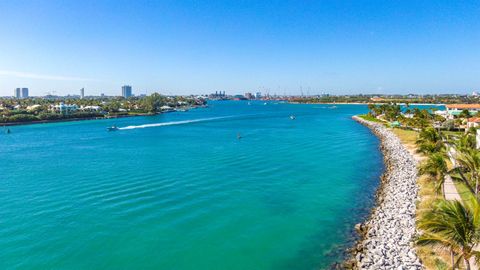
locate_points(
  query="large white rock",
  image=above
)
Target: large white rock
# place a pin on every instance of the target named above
(388, 243)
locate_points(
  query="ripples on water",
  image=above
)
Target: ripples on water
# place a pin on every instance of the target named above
(180, 191)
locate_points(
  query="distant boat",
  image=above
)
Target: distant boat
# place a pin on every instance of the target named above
(265, 103)
(292, 117)
(249, 103)
(239, 136)
(332, 107)
(112, 128)
(8, 131)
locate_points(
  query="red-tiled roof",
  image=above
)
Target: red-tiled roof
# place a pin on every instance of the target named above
(474, 120)
(463, 106)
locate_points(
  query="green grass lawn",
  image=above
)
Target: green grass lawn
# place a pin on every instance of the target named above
(464, 191)
(370, 118)
(406, 136)
(453, 133)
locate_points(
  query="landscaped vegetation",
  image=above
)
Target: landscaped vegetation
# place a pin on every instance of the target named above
(58, 108)
(369, 117)
(449, 229)
(453, 227)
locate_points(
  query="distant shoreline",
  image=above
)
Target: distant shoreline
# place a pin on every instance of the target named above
(70, 120)
(366, 103)
(89, 118)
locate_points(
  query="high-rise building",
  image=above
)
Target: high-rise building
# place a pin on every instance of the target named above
(82, 93)
(24, 92)
(126, 91)
(18, 92)
(21, 92)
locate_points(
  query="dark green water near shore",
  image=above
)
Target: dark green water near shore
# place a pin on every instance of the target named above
(180, 191)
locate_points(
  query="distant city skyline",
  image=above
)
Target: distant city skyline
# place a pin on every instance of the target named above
(199, 47)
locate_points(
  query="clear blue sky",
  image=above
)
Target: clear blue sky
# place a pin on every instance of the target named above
(179, 47)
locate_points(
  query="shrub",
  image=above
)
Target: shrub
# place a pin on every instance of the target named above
(22, 118)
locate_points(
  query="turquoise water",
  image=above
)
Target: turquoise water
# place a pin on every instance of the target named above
(188, 195)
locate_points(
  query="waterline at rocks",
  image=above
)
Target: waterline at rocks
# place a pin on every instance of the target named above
(387, 236)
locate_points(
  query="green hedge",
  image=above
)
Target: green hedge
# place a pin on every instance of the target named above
(20, 118)
(23, 117)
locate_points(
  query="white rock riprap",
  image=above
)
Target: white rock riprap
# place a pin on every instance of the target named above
(389, 233)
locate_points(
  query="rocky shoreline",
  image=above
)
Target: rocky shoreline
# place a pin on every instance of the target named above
(387, 236)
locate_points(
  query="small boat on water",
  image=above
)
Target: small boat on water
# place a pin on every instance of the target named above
(239, 136)
(332, 107)
(264, 103)
(112, 128)
(292, 117)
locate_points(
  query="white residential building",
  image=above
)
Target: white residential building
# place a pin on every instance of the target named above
(64, 108)
(33, 107)
(90, 108)
(473, 122)
(444, 114)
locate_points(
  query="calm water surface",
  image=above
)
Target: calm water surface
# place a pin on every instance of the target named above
(188, 195)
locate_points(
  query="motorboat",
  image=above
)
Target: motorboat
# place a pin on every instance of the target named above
(112, 128)
(292, 117)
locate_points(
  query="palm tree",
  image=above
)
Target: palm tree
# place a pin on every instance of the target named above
(455, 227)
(466, 141)
(372, 109)
(464, 114)
(430, 148)
(469, 159)
(436, 167)
(429, 141)
(429, 135)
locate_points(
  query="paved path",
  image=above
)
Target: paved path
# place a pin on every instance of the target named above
(451, 192)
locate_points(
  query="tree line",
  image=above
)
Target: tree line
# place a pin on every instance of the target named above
(16, 110)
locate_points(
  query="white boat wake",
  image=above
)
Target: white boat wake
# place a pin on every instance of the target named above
(173, 123)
